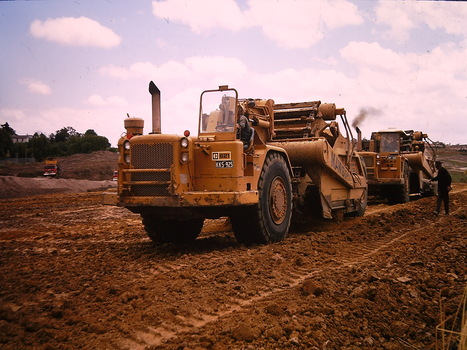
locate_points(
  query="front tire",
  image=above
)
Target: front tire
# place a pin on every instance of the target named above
(269, 220)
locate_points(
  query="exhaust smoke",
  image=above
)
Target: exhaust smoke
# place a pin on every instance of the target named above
(365, 112)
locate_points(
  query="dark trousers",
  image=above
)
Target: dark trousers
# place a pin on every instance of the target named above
(443, 197)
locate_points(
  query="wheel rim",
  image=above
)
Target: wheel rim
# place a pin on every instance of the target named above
(278, 201)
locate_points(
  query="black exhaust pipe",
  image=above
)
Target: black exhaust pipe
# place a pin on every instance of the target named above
(359, 140)
(156, 107)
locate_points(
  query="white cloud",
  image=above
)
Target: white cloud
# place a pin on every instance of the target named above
(340, 13)
(301, 23)
(448, 58)
(373, 56)
(115, 101)
(201, 14)
(197, 68)
(215, 65)
(115, 72)
(37, 87)
(73, 31)
(12, 115)
(147, 70)
(295, 85)
(418, 90)
(409, 71)
(395, 15)
(447, 15)
(403, 16)
(290, 23)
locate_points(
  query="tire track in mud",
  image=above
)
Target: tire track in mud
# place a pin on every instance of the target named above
(355, 255)
(95, 215)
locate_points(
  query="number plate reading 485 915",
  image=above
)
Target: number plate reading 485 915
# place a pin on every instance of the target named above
(224, 164)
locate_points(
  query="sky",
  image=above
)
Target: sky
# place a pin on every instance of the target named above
(87, 63)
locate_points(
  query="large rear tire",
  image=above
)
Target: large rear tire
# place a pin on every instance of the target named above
(171, 231)
(269, 220)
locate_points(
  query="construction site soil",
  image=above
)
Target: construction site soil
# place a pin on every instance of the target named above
(75, 274)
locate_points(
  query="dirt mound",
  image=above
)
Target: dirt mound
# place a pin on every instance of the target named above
(80, 173)
(13, 186)
(96, 166)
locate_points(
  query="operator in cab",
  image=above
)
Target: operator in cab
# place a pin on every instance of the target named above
(244, 130)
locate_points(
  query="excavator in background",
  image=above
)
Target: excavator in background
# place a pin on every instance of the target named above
(399, 164)
(296, 163)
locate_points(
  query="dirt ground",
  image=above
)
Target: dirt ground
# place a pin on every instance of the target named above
(75, 274)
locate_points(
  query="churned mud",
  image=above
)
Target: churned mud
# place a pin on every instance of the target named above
(75, 274)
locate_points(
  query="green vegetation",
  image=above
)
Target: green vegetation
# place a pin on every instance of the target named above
(64, 142)
(6, 142)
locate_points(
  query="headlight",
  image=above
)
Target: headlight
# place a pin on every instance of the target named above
(126, 145)
(127, 158)
(184, 157)
(184, 142)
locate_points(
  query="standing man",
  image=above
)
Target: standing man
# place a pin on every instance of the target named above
(444, 186)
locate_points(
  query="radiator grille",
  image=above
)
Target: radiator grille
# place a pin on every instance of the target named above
(151, 156)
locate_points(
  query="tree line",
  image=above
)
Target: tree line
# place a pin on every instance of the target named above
(63, 142)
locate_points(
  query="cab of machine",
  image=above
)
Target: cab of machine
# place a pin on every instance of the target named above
(390, 142)
(218, 114)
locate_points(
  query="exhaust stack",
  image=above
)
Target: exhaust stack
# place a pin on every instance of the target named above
(156, 108)
(359, 140)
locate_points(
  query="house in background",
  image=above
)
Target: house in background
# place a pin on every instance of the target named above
(21, 138)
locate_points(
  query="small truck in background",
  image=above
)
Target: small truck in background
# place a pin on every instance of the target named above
(51, 167)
